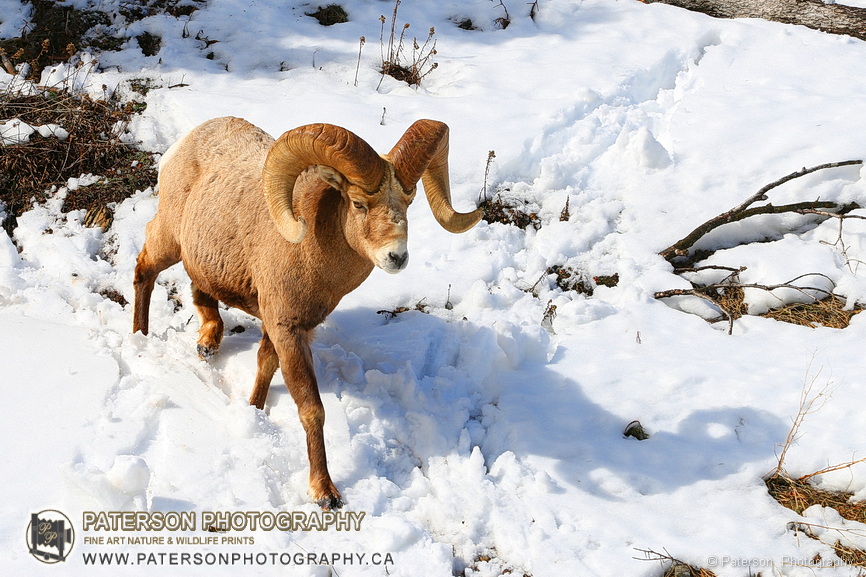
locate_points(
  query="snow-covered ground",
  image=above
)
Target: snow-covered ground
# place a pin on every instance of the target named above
(475, 439)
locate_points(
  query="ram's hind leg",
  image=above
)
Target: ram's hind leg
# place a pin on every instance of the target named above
(210, 332)
(267, 366)
(158, 254)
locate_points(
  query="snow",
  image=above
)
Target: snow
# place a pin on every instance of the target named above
(476, 440)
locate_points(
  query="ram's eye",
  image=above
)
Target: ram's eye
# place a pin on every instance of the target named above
(358, 205)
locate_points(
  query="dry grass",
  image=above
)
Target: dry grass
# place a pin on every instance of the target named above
(732, 300)
(29, 169)
(497, 210)
(685, 570)
(829, 312)
(798, 495)
(55, 33)
(850, 555)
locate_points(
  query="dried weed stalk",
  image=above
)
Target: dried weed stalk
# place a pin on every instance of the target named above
(676, 568)
(811, 400)
(396, 63)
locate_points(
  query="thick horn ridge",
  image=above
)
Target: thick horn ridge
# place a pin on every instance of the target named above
(305, 146)
(422, 153)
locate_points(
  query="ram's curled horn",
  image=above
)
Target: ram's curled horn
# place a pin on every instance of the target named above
(305, 146)
(422, 153)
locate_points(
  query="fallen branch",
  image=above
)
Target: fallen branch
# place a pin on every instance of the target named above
(715, 292)
(742, 211)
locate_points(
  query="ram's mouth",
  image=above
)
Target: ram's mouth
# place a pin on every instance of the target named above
(392, 258)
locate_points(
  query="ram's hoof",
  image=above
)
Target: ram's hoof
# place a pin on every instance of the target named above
(205, 353)
(330, 503)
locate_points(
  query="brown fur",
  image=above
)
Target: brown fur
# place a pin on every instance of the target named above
(213, 216)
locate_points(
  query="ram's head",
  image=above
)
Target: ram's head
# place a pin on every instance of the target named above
(376, 189)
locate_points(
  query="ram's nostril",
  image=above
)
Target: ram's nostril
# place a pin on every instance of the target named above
(398, 259)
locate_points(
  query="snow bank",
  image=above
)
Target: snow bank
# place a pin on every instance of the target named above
(476, 440)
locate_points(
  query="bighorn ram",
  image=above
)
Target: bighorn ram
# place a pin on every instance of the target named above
(283, 230)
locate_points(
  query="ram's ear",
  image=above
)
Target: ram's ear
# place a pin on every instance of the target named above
(332, 177)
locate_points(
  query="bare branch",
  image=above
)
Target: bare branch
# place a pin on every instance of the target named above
(831, 468)
(707, 267)
(732, 309)
(808, 405)
(742, 211)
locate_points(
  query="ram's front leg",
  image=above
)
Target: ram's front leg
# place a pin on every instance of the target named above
(296, 361)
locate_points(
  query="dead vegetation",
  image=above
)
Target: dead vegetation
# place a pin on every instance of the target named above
(568, 278)
(90, 138)
(488, 563)
(681, 252)
(798, 494)
(498, 210)
(673, 566)
(94, 146)
(823, 307)
(390, 314)
(57, 31)
(829, 312)
(397, 61)
(54, 34)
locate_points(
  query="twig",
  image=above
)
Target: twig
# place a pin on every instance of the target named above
(830, 469)
(490, 156)
(741, 211)
(650, 555)
(708, 267)
(807, 406)
(713, 292)
(503, 21)
(840, 241)
(358, 68)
